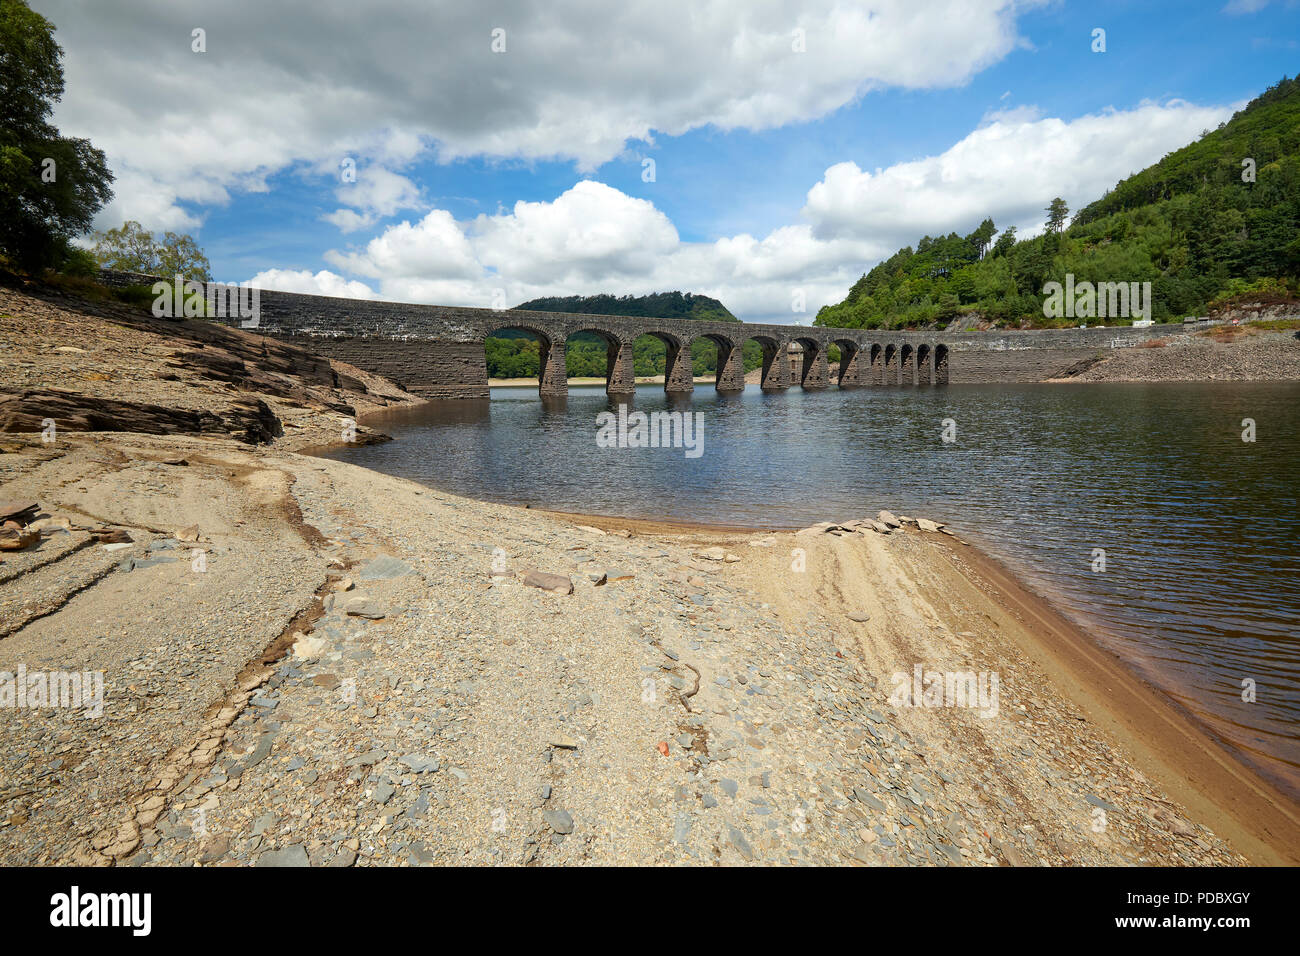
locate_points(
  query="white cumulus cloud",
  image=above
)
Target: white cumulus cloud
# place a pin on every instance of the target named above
(1009, 169)
(593, 238)
(298, 83)
(304, 281)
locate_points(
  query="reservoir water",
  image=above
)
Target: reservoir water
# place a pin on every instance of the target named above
(1200, 529)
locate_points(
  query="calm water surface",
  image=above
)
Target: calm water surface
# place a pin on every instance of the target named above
(1201, 530)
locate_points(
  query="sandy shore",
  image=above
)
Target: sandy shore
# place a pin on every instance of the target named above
(533, 706)
(351, 669)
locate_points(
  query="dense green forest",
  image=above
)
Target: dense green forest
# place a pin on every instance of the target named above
(1213, 222)
(512, 353)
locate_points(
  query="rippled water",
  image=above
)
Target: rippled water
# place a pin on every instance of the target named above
(1200, 528)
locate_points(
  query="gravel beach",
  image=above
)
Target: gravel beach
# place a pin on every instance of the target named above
(308, 663)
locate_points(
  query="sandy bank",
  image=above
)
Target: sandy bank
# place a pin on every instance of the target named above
(548, 711)
(436, 708)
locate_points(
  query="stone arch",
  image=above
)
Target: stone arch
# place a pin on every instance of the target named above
(678, 378)
(729, 373)
(620, 378)
(850, 373)
(812, 367)
(552, 377)
(776, 363)
(906, 364)
(941, 365)
(924, 364)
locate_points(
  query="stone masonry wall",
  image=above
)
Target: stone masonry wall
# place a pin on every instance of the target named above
(437, 351)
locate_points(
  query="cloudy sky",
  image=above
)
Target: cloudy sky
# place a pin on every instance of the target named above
(754, 150)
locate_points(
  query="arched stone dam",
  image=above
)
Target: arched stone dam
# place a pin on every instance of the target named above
(438, 351)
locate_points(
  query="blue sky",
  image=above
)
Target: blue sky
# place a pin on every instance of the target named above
(765, 162)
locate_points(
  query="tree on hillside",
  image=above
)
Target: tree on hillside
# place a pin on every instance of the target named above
(1005, 241)
(1057, 212)
(981, 237)
(51, 186)
(131, 248)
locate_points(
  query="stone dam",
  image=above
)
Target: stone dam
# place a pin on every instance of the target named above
(438, 351)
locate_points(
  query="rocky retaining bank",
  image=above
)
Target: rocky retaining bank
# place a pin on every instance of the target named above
(1243, 354)
(90, 365)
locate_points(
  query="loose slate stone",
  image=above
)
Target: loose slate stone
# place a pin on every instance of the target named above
(868, 799)
(740, 843)
(367, 759)
(1099, 802)
(344, 858)
(294, 855)
(385, 569)
(420, 764)
(555, 583)
(558, 820)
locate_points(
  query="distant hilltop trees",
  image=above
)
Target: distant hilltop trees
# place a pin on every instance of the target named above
(660, 305)
(1213, 223)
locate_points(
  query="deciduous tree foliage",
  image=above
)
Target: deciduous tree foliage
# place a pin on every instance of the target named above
(1194, 225)
(51, 186)
(131, 248)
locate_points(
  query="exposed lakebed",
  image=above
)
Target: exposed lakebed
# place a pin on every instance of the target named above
(1200, 590)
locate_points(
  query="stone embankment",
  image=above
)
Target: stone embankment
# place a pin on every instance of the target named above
(1225, 354)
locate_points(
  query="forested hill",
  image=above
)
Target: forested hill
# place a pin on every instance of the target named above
(512, 353)
(661, 305)
(1213, 222)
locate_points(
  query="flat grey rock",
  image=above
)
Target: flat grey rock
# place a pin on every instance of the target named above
(868, 799)
(558, 820)
(385, 569)
(294, 855)
(740, 843)
(420, 764)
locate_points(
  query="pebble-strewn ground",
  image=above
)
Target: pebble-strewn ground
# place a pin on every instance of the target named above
(441, 711)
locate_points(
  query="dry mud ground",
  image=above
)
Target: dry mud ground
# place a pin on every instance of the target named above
(348, 669)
